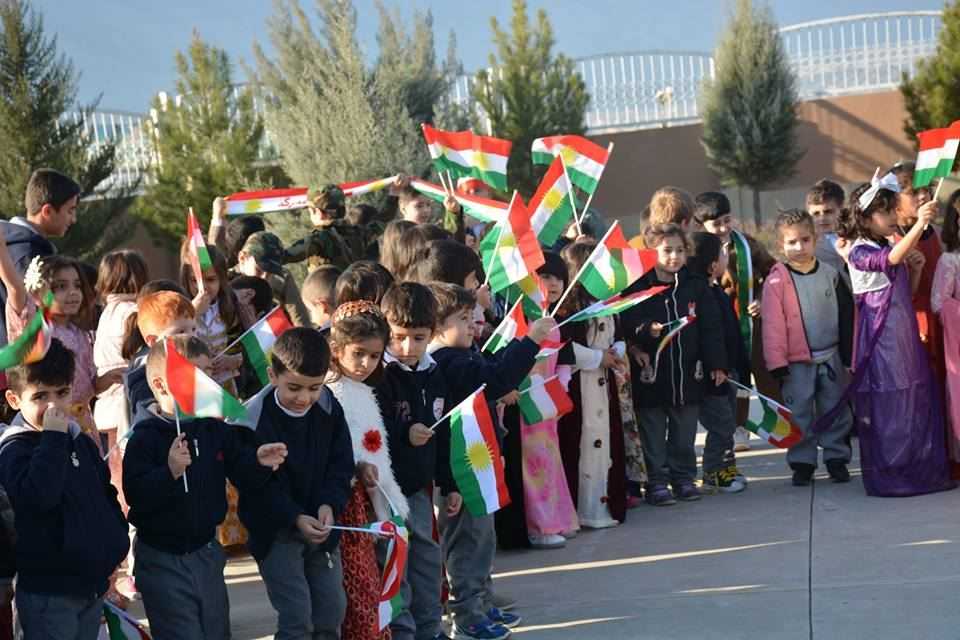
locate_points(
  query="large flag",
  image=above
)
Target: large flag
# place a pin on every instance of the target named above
(363, 187)
(464, 153)
(771, 420)
(199, 255)
(515, 253)
(614, 265)
(544, 401)
(33, 343)
(584, 160)
(551, 207)
(744, 264)
(613, 306)
(258, 340)
(475, 456)
(391, 603)
(245, 202)
(120, 625)
(937, 149)
(483, 209)
(513, 325)
(196, 393)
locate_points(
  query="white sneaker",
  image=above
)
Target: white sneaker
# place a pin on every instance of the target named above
(549, 541)
(741, 440)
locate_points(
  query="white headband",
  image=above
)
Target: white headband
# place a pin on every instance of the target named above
(888, 182)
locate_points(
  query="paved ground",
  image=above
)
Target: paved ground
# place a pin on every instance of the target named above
(775, 562)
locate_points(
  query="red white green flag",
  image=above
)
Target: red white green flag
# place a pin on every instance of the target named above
(672, 330)
(120, 625)
(391, 604)
(771, 420)
(937, 150)
(199, 255)
(196, 393)
(258, 340)
(584, 160)
(533, 295)
(351, 189)
(744, 264)
(245, 202)
(613, 306)
(551, 207)
(33, 343)
(614, 265)
(513, 325)
(483, 209)
(475, 456)
(544, 401)
(465, 154)
(515, 252)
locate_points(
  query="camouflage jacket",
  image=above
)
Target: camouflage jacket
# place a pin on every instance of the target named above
(339, 244)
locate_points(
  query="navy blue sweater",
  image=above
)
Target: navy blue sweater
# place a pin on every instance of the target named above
(23, 245)
(71, 534)
(166, 516)
(317, 471)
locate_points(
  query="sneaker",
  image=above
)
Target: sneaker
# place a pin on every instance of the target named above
(485, 630)
(722, 481)
(660, 496)
(549, 541)
(687, 491)
(838, 470)
(568, 535)
(741, 440)
(802, 474)
(504, 603)
(737, 474)
(507, 619)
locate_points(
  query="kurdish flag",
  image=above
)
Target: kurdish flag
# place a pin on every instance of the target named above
(196, 394)
(269, 200)
(584, 160)
(475, 456)
(937, 149)
(533, 295)
(120, 625)
(551, 207)
(465, 154)
(771, 420)
(514, 325)
(545, 401)
(614, 265)
(33, 343)
(616, 304)
(391, 603)
(258, 340)
(675, 328)
(483, 209)
(351, 189)
(744, 264)
(516, 253)
(199, 255)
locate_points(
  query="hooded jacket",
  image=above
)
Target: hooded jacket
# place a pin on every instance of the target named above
(24, 243)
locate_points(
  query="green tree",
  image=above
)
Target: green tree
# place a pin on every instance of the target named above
(749, 112)
(38, 89)
(207, 141)
(529, 93)
(931, 97)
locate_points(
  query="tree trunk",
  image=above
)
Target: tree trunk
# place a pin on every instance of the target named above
(757, 215)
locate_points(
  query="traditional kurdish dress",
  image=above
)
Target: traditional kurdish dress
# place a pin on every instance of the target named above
(902, 439)
(945, 303)
(927, 321)
(361, 575)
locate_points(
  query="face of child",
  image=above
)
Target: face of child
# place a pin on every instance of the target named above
(824, 216)
(56, 222)
(417, 210)
(320, 217)
(798, 243)
(671, 254)
(67, 292)
(296, 392)
(906, 208)
(247, 265)
(457, 330)
(883, 223)
(471, 282)
(34, 399)
(179, 326)
(358, 360)
(553, 285)
(720, 227)
(408, 345)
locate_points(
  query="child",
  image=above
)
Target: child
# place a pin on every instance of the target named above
(670, 205)
(390, 244)
(945, 302)
(333, 240)
(262, 256)
(359, 335)
(824, 201)
(902, 440)
(364, 280)
(71, 534)
(807, 342)
(415, 207)
(668, 391)
(178, 561)
(718, 409)
(591, 436)
(469, 541)
(289, 521)
(319, 295)
(411, 397)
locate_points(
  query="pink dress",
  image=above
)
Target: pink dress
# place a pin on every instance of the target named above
(945, 303)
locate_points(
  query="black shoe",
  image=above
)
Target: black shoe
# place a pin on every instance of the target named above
(802, 474)
(838, 471)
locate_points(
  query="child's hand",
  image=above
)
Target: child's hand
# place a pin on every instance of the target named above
(753, 309)
(510, 399)
(401, 183)
(420, 435)
(110, 378)
(640, 356)
(55, 419)
(927, 213)
(311, 529)
(219, 212)
(368, 474)
(483, 297)
(655, 329)
(227, 363)
(454, 503)
(718, 376)
(201, 301)
(272, 455)
(325, 520)
(611, 360)
(450, 204)
(540, 329)
(179, 457)
(915, 260)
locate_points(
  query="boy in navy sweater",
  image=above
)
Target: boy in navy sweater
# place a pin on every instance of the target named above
(71, 534)
(411, 396)
(178, 561)
(289, 520)
(469, 541)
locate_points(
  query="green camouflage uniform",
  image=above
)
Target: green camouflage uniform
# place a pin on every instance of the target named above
(337, 243)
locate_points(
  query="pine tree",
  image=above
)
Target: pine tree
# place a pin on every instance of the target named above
(530, 93)
(38, 87)
(207, 141)
(749, 113)
(931, 97)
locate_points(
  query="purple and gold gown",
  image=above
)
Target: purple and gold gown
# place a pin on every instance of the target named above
(897, 404)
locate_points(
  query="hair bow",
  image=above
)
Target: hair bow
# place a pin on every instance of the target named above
(888, 182)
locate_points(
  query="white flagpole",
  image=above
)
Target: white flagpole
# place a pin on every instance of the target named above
(242, 335)
(573, 202)
(583, 268)
(590, 199)
(449, 413)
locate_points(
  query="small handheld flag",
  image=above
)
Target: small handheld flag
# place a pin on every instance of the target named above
(196, 393)
(544, 401)
(120, 625)
(466, 154)
(771, 420)
(33, 343)
(199, 255)
(258, 340)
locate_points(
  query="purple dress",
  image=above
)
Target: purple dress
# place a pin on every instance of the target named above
(901, 427)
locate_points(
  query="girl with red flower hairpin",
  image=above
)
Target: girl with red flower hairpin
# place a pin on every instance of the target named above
(358, 336)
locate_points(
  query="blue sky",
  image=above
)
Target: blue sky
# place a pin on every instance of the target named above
(124, 48)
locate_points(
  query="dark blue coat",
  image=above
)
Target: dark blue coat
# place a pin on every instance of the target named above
(23, 245)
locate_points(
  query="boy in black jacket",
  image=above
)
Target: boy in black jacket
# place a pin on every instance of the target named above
(667, 390)
(289, 520)
(469, 540)
(71, 534)
(411, 394)
(178, 561)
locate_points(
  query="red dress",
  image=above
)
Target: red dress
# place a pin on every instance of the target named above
(361, 575)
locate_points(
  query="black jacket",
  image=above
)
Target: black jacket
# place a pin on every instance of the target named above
(71, 534)
(686, 363)
(23, 245)
(317, 471)
(406, 398)
(738, 359)
(167, 516)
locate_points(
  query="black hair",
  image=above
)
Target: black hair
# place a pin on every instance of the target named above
(553, 265)
(706, 251)
(303, 351)
(824, 190)
(357, 328)
(410, 305)
(363, 280)
(451, 299)
(793, 218)
(711, 205)
(55, 369)
(236, 234)
(48, 186)
(854, 221)
(361, 214)
(447, 261)
(950, 234)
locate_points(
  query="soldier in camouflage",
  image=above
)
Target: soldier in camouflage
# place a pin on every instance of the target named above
(333, 240)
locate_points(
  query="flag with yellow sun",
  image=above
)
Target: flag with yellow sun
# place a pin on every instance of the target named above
(475, 456)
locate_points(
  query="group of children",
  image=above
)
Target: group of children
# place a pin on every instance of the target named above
(347, 428)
